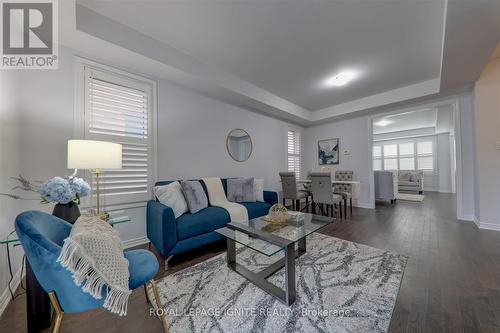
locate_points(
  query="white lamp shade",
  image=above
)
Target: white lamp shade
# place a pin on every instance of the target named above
(90, 154)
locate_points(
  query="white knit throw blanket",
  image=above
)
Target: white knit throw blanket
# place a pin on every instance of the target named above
(93, 253)
(217, 197)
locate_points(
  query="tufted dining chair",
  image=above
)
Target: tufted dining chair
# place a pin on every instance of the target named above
(322, 192)
(345, 190)
(42, 236)
(290, 190)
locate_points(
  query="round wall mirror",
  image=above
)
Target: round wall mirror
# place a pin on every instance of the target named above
(239, 144)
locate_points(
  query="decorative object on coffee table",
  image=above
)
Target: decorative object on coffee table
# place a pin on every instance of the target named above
(96, 156)
(277, 214)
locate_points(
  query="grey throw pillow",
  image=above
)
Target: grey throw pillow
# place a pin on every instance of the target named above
(195, 196)
(240, 190)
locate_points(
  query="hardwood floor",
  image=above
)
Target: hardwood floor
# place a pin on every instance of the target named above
(451, 282)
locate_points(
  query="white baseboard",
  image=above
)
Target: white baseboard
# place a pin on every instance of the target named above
(487, 226)
(363, 205)
(135, 242)
(5, 298)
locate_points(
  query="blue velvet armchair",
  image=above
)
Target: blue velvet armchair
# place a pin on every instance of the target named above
(42, 237)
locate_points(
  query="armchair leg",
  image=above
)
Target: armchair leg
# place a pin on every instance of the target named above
(161, 314)
(58, 312)
(146, 293)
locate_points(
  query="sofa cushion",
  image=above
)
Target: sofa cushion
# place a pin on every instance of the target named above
(404, 176)
(258, 189)
(240, 190)
(206, 220)
(196, 197)
(256, 209)
(171, 195)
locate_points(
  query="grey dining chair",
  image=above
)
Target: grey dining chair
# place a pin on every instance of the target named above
(290, 190)
(322, 192)
(345, 190)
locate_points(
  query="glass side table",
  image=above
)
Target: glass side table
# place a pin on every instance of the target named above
(13, 239)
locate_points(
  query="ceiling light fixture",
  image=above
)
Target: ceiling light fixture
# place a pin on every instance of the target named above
(341, 79)
(383, 122)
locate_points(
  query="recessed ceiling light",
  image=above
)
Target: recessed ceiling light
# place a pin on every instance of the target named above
(341, 79)
(383, 122)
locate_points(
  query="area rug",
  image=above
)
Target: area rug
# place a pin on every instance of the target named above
(341, 287)
(411, 197)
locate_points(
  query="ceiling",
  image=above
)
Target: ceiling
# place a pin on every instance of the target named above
(406, 121)
(290, 48)
(273, 56)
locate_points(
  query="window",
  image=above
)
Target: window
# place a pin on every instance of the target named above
(119, 108)
(293, 152)
(391, 157)
(424, 156)
(404, 155)
(377, 157)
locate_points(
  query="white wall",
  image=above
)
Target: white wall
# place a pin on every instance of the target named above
(192, 131)
(464, 129)
(444, 162)
(487, 135)
(10, 163)
(354, 135)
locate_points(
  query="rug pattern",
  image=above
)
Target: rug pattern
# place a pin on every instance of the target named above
(341, 287)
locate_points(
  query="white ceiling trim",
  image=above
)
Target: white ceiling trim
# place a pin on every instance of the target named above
(388, 97)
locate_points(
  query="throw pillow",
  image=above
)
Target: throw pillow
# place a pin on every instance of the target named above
(240, 190)
(258, 189)
(195, 196)
(405, 176)
(171, 195)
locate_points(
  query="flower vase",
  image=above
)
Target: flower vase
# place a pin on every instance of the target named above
(68, 212)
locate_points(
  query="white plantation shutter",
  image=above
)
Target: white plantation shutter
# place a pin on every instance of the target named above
(377, 157)
(293, 151)
(119, 109)
(425, 159)
(406, 156)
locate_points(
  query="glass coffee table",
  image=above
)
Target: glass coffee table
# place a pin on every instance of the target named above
(270, 238)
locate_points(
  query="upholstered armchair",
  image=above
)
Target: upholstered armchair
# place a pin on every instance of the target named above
(42, 236)
(386, 185)
(411, 180)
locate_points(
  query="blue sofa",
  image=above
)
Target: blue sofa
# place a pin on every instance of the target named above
(171, 236)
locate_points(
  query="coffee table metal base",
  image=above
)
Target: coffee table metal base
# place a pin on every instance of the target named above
(287, 295)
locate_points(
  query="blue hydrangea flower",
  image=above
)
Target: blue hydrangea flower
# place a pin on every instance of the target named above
(57, 190)
(79, 186)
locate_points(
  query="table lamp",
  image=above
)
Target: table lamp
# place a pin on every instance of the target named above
(95, 156)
